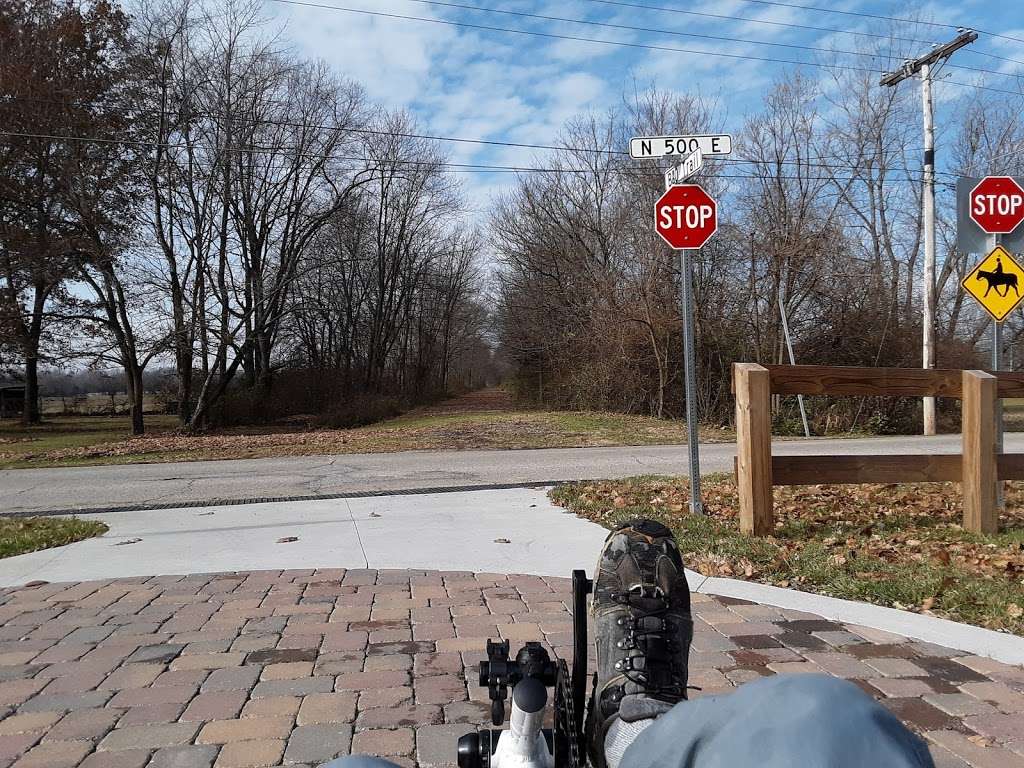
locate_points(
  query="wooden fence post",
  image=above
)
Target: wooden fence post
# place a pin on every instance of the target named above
(754, 448)
(979, 459)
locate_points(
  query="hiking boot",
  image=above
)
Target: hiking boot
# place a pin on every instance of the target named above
(642, 627)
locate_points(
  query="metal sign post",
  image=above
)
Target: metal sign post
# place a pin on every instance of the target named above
(676, 175)
(994, 205)
(997, 354)
(686, 217)
(690, 365)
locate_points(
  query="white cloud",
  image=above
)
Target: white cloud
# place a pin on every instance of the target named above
(392, 58)
(491, 85)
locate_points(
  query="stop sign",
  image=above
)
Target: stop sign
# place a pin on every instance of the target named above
(686, 216)
(997, 204)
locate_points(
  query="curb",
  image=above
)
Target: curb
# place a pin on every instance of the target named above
(284, 499)
(1000, 646)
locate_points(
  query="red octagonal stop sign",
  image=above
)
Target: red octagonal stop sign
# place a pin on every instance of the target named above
(997, 204)
(686, 216)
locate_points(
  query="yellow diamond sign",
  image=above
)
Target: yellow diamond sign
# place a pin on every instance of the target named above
(997, 283)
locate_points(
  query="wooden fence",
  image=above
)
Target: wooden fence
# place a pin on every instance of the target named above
(977, 467)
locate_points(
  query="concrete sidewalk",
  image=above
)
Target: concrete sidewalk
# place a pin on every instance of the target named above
(507, 531)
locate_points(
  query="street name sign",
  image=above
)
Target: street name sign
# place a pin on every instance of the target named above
(680, 172)
(643, 147)
(997, 204)
(686, 216)
(997, 283)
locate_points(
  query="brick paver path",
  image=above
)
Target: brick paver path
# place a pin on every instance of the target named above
(269, 668)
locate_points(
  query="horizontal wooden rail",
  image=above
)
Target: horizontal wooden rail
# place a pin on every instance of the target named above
(1010, 466)
(902, 468)
(879, 382)
(885, 468)
(978, 468)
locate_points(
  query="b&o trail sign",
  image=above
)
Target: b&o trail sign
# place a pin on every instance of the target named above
(997, 204)
(645, 147)
(997, 282)
(686, 216)
(680, 172)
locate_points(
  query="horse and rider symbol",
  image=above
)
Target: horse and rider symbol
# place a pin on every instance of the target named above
(996, 278)
(996, 283)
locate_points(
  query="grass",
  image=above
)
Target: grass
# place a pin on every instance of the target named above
(60, 434)
(19, 535)
(894, 545)
(88, 440)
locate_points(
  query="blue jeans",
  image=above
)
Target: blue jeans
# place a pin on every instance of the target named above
(790, 721)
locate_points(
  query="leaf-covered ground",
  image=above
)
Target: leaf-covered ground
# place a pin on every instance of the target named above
(30, 534)
(895, 545)
(65, 443)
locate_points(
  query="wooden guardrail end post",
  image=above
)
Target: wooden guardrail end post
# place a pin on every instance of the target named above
(754, 448)
(979, 458)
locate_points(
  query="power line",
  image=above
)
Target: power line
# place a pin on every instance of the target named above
(627, 27)
(475, 167)
(620, 43)
(677, 33)
(879, 17)
(789, 25)
(988, 88)
(768, 22)
(554, 36)
(454, 139)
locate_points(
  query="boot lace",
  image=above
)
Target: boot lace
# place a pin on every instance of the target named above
(650, 634)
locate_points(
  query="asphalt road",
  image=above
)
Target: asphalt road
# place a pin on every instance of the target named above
(154, 485)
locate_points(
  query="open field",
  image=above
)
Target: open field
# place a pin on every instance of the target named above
(459, 424)
(894, 545)
(95, 404)
(67, 434)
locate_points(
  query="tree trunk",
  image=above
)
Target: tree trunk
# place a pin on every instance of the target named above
(30, 412)
(133, 376)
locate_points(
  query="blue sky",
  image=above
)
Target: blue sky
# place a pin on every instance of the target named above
(486, 84)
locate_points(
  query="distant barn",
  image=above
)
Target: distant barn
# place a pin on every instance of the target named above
(12, 401)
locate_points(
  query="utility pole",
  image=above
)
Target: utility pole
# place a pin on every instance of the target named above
(925, 65)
